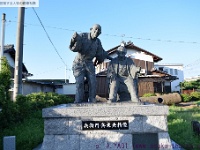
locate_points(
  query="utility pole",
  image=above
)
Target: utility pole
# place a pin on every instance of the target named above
(2, 37)
(19, 54)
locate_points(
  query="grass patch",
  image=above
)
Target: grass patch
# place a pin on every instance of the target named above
(180, 129)
(29, 133)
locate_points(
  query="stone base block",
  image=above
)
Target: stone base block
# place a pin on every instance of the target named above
(115, 126)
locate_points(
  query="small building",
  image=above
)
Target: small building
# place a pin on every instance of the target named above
(174, 70)
(34, 86)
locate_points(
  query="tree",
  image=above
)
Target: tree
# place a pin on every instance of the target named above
(190, 85)
(9, 108)
(5, 81)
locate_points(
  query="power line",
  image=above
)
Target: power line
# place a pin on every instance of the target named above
(53, 70)
(113, 35)
(58, 28)
(196, 62)
(49, 37)
(122, 35)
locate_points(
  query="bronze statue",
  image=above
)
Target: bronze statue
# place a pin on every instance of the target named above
(122, 70)
(88, 47)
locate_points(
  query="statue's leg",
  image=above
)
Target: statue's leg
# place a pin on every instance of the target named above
(132, 89)
(113, 90)
(92, 87)
(79, 88)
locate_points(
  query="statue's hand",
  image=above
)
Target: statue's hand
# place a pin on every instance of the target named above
(113, 77)
(75, 43)
(95, 62)
(74, 37)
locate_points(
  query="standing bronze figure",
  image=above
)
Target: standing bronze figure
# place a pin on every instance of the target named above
(88, 46)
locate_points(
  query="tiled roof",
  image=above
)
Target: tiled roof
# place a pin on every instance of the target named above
(130, 45)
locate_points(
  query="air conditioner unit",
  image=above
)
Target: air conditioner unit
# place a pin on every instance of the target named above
(142, 71)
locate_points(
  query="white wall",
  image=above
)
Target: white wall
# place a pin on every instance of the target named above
(69, 89)
(59, 90)
(10, 60)
(136, 54)
(171, 69)
(139, 55)
(28, 88)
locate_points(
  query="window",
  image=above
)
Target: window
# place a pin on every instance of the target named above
(160, 68)
(171, 71)
(176, 72)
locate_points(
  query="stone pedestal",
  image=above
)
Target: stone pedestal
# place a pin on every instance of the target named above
(100, 126)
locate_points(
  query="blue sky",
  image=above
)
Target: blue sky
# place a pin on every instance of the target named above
(167, 28)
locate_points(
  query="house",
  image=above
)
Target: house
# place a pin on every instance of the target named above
(150, 80)
(174, 70)
(34, 86)
(9, 53)
(141, 57)
(43, 85)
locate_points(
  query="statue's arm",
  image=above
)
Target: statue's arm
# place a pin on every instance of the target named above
(111, 74)
(101, 53)
(133, 69)
(109, 70)
(75, 43)
(107, 56)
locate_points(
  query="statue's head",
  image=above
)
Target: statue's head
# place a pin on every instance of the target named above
(95, 31)
(121, 51)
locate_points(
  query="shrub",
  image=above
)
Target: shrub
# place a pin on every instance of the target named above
(186, 97)
(9, 114)
(24, 106)
(42, 100)
(149, 94)
(195, 96)
(13, 112)
(65, 99)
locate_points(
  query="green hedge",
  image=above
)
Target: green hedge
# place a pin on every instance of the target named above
(194, 96)
(186, 97)
(13, 112)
